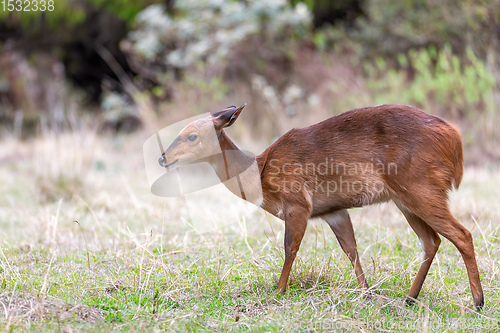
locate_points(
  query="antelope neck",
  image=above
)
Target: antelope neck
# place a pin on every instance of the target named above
(238, 171)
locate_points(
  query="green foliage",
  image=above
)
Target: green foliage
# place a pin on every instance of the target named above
(391, 27)
(124, 9)
(440, 80)
(325, 38)
(206, 31)
(308, 3)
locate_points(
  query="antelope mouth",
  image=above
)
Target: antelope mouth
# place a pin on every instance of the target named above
(163, 162)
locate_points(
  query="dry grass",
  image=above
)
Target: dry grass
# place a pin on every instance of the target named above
(136, 262)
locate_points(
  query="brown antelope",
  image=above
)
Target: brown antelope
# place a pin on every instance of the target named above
(358, 158)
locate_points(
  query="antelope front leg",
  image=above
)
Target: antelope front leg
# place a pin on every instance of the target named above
(295, 227)
(341, 225)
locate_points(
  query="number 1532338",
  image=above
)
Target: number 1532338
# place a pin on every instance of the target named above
(27, 5)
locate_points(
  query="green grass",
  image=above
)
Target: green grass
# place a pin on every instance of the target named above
(135, 262)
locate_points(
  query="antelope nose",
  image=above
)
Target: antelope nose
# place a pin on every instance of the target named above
(162, 161)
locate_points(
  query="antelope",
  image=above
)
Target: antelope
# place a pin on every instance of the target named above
(357, 158)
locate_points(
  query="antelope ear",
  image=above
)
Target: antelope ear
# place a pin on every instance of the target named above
(226, 117)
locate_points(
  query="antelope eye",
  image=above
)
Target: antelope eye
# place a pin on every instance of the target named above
(192, 137)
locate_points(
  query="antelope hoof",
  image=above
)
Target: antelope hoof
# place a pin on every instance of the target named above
(367, 294)
(479, 305)
(410, 300)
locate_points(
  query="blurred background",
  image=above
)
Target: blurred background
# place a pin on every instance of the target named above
(84, 85)
(135, 66)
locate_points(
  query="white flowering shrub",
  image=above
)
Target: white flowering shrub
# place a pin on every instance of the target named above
(206, 30)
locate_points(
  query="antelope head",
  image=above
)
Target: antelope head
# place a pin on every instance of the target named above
(199, 139)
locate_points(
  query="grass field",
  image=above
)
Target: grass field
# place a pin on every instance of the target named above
(135, 262)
